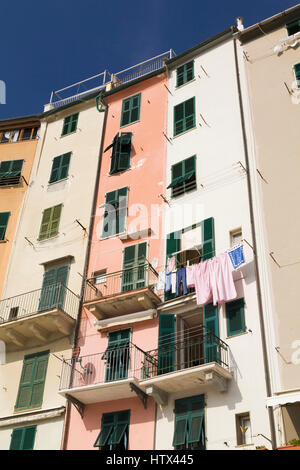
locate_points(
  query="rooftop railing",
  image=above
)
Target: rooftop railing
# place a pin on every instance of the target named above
(119, 282)
(39, 301)
(98, 82)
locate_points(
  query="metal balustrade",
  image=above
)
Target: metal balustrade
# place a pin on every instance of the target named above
(193, 347)
(115, 364)
(39, 301)
(119, 282)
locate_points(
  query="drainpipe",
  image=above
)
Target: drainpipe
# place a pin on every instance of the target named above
(86, 262)
(259, 293)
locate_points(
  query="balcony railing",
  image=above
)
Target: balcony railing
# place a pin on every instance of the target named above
(193, 347)
(120, 282)
(55, 296)
(114, 364)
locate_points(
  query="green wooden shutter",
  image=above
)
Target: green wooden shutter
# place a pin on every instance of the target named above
(53, 288)
(208, 239)
(173, 245)
(117, 355)
(60, 167)
(134, 271)
(25, 387)
(130, 110)
(184, 116)
(185, 73)
(29, 437)
(180, 430)
(293, 27)
(70, 124)
(109, 220)
(124, 151)
(31, 388)
(16, 439)
(50, 222)
(122, 210)
(211, 323)
(235, 315)
(189, 173)
(166, 343)
(4, 217)
(178, 119)
(297, 74)
(115, 154)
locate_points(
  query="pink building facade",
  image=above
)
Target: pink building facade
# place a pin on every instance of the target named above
(119, 318)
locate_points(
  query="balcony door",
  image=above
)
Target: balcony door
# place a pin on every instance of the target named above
(211, 334)
(134, 267)
(53, 289)
(117, 355)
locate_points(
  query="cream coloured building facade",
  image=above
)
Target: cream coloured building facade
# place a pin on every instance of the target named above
(41, 293)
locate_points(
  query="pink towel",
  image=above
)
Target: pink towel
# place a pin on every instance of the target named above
(222, 284)
(190, 280)
(202, 283)
(171, 264)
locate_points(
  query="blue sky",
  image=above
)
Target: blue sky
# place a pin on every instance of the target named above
(49, 44)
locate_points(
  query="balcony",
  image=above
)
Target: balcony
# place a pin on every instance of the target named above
(186, 360)
(38, 317)
(104, 376)
(128, 291)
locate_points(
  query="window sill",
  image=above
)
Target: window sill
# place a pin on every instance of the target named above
(24, 410)
(184, 84)
(117, 235)
(118, 172)
(58, 181)
(69, 133)
(238, 446)
(238, 334)
(46, 239)
(18, 141)
(3, 241)
(185, 132)
(130, 124)
(184, 193)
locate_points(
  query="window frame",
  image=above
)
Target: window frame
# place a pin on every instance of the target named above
(185, 73)
(131, 108)
(117, 210)
(187, 413)
(228, 305)
(185, 117)
(240, 436)
(23, 437)
(3, 227)
(50, 233)
(60, 168)
(13, 179)
(291, 24)
(67, 126)
(112, 421)
(185, 182)
(297, 73)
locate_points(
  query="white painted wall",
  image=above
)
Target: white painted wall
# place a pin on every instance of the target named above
(219, 146)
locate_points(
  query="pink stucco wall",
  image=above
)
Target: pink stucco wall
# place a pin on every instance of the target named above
(146, 181)
(83, 432)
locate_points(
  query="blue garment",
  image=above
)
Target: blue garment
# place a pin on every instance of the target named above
(181, 276)
(236, 256)
(168, 281)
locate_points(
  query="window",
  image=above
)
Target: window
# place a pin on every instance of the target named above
(243, 429)
(114, 431)
(121, 151)
(54, 288)
(60, 167)
(235, 317)
(100, 276)
(185, 73)
(189, 431)
(15, 135)
(183, 176)
(293, 27)
(131, 110)
(236, 237)
(4, 216)
(23, 438)
(70, 124)
(184, 116)
(297, 74)
(10, 172)
(115, 212)
(31, 388)
(50, 222)
(134, 267)
(117, 355)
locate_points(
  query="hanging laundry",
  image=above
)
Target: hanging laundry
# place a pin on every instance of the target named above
(202, 283)
(221, 280)
(171, 264)
(236, 255)
(173, 282)
(181, 277)
(168, 281)
(190, 281)
(161, 280)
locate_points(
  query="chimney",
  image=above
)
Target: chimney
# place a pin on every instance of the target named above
(239, 22)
